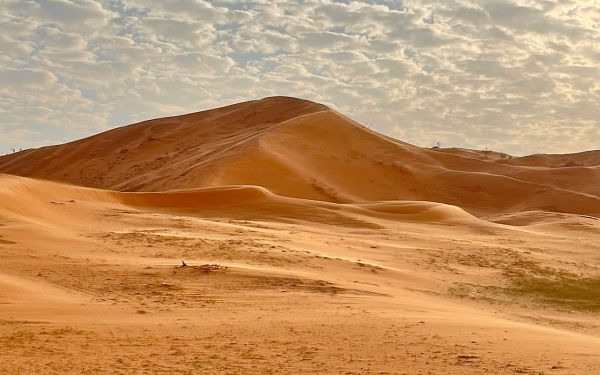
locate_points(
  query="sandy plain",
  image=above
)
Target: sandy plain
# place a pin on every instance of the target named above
(306, 252)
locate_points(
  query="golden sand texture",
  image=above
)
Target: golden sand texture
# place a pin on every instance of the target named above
(296, 148)
(311, 244)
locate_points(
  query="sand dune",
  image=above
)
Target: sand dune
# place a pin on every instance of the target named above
(582, 159)
(305, 285)
(301, 149)
(29, 198)
(312, 245)
(164, 154)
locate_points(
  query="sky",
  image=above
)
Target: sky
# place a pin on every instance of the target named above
(518, 76)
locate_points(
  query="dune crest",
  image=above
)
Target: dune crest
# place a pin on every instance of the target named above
(300, 149)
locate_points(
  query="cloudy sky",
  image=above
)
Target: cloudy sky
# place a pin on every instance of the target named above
(520, 76)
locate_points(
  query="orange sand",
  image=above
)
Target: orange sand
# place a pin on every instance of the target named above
(333, 249)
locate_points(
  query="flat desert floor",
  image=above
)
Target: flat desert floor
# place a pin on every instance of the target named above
(92, 282)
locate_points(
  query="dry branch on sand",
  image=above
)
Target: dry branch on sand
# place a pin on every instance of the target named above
(205, 268)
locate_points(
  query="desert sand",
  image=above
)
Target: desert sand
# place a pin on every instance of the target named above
(312, 245)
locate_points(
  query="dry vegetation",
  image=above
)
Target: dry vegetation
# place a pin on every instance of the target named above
(528, 283)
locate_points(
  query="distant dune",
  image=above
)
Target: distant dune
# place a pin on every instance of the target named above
(300, 149)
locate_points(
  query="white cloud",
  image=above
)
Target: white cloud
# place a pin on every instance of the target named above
(516, 75)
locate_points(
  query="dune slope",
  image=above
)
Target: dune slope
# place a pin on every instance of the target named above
(91, 282)
(296, 148)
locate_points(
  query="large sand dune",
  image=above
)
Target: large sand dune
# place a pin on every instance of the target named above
(312, 245)
(301, 149)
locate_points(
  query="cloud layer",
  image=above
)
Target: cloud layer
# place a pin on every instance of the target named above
(520, 76)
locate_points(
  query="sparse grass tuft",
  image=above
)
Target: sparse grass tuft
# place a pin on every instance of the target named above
(529, 283)
(557, 288)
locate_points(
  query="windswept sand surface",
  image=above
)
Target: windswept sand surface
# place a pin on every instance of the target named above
(91, 284)
(337, 252)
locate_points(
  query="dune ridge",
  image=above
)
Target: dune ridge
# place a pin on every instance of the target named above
(30, 198)
(297, 148)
